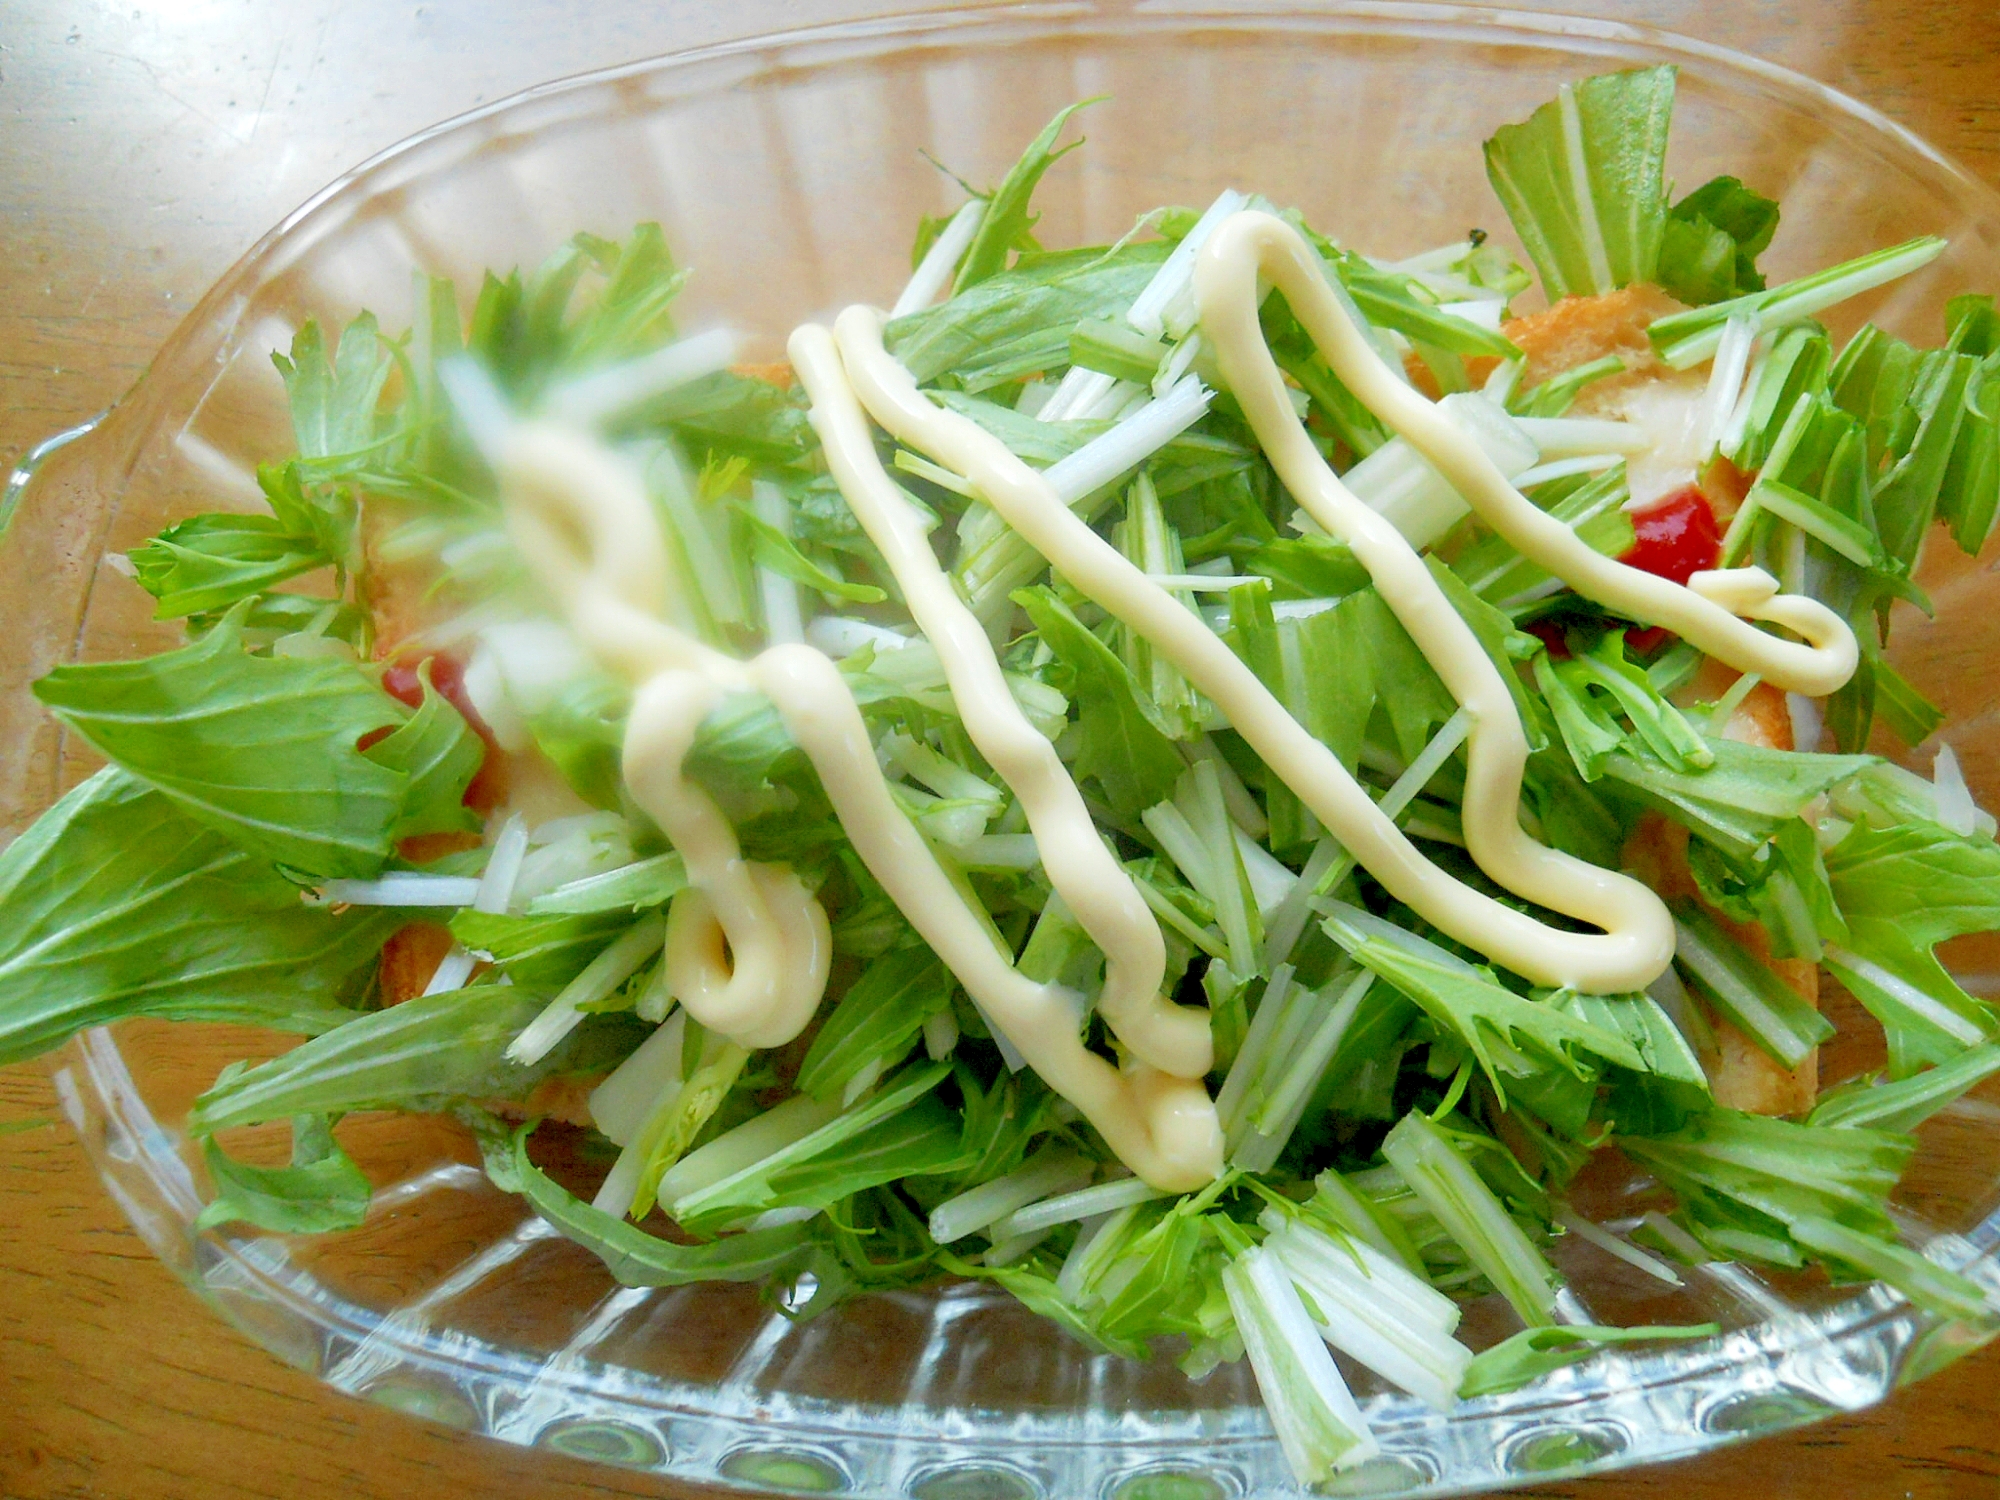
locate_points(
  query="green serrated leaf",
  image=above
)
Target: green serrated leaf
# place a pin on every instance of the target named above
(209, 562)
(875, 1020)
(116, 903)
(1583, 179)
(438, 753)
(636, 1258)
(1121, 741)
(320, 1192)
(1008, 223)
(544, 952)
(1904, 890)
(424, 1055)
(262, 749)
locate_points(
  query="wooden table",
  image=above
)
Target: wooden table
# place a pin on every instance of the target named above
(143, 147)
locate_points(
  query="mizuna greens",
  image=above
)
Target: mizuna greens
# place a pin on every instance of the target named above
(379, 740)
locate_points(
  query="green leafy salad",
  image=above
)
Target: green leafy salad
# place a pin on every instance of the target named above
(376, 800)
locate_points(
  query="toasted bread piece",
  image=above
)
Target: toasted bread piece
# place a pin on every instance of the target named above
(410, 958)
(566, 1098)
(1725, 485)
(778, 372)
(396, 593)
(1741, 1075)
(1578, 330)
(1574, 332)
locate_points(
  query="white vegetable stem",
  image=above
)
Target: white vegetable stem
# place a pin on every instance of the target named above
(1051, 1170)
(1176, 274)
(1131, 442)
(1080, 394)
(940, 1035)
(620, 1104)
(1725, 382)
(606, 394)
(1610, 1244)
(1571, 437)
(1375, 1311)
(1967, 1033)
(1294, 1037)
(1413, 497)
(840, 636)
(1563, 468)
(1319, 1427)
(452, 971)
(934, 271)
(1068, 1208)
(783, 623)
(1956, 809)
(503, 867)
(1425, 1158)
(611, 968)
(403, 888)
(1794, 301)
(1091, 393)
(735, 1150)
(643, 1087)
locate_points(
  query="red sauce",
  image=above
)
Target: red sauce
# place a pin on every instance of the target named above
(401, 682)
(1676, 538)
(1553, 635)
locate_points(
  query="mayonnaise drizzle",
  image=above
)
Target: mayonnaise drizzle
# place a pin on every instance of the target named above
(1162, 1127)
(1705, 613)
(747, 947)
(1091, 881)
(1639, 938)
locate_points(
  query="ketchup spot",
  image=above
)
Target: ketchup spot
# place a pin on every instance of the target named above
(1551, 634)
(400, 680)
(1640, 642)
(1676, 538)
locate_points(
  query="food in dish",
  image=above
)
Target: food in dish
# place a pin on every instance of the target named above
(938, 806)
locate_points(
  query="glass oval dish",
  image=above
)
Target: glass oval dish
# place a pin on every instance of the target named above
(786, 172)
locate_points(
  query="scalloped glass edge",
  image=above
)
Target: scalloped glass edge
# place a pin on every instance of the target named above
(1786, 1372)
(1610, 1413)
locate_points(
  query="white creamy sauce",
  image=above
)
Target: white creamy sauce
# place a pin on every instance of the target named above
(1083, 870)
(747, 946)
(1641, 939)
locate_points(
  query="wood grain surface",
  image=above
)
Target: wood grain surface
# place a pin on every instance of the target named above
(143, 147)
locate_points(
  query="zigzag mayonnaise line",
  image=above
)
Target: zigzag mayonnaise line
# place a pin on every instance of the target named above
(1084, 872)
(1638, 939)
(1705, 613)
(1162, 1127)
(586, 524)
(583, 520)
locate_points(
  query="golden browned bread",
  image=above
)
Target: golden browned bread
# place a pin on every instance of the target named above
(410, 958)
(1742, 1075)
(565, 1097)
(1578, 330)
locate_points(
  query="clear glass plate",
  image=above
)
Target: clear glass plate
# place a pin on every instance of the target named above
(787, 172)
